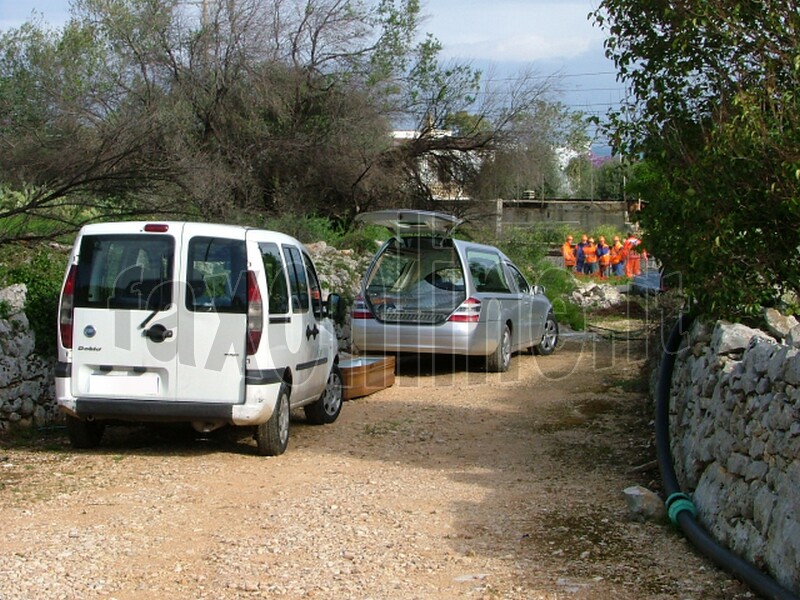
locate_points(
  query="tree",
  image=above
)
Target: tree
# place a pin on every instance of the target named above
(237, 111)
(531, 150)
(70, 146)
(714, 114)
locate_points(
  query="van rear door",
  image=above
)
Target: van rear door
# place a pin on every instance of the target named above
(124, 314)
(160, 313)
(212, 333)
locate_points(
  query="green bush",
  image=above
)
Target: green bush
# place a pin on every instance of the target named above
(43, 274)
(559, 285)
(306, 228)
(364, 239)
(309, 229)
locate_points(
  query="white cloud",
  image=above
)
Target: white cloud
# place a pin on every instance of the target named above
(512, 30)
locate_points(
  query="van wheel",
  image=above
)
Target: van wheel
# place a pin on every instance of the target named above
(84, 434)
(499, 360)
(327, 408)
(550, 338)
(272, 437)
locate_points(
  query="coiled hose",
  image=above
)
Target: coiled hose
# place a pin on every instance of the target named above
(680, 508)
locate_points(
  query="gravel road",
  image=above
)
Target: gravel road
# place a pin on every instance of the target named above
(451, 484)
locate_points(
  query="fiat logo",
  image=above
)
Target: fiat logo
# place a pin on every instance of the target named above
(89, 331)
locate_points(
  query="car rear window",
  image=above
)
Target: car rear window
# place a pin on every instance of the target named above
(126, 272)
(416, 281)
(487, 271)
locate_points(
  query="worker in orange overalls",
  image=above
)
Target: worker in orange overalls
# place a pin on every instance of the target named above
(568, 252)
(590, 257)
(634, 252)
(603, 257)
(617, 259)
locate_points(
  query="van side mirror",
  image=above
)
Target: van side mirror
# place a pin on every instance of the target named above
(335, 308)
(538, 290)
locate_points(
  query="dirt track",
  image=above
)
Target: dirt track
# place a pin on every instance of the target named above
(451, 484)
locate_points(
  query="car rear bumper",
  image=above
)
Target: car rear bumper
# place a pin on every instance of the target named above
(469, 339)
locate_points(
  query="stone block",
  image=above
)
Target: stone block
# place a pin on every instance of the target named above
(14, 296)
(779, 324)
(791, 370)
(737, 464)
(758, 354)
(763, 505)
(757, 448)
(783, 551)
(756, 471)
(779, 360)
(700, 332)
(644, 505)
(733, 337)
(793, 339)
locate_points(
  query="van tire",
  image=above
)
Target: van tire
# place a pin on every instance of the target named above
(272, 437)
(499, 360)
(327, 407)
(84, 434)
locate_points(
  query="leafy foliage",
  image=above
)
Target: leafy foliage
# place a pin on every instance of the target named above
(239, 110)
(43, 274)
(715, 116)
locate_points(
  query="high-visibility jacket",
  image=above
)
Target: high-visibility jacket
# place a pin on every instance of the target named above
(568, 252)
(590, 253)
(631, 247)
(604, 254)
(616, 253)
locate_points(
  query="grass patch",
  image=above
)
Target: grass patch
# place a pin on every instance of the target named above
(383, 428)
(49, 439)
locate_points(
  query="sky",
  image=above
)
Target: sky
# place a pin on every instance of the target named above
(499, 37)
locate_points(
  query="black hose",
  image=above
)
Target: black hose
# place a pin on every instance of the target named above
(680, 508)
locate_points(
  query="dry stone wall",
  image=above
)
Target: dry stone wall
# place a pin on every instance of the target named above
(27, 395)
(340, 272)
(735, 437)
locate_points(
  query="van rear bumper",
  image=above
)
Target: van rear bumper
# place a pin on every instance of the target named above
(152, 410)
(261, 396)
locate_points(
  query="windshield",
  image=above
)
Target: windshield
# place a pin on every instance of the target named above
(416, 280)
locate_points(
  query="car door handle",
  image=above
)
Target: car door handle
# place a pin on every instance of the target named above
(312, 332)
(158, 333)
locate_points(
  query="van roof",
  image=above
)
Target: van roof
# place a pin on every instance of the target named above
(176, 227)
(171, 226)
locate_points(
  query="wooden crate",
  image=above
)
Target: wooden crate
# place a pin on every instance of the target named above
(366, 375)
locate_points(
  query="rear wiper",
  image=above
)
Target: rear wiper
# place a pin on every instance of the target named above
(152, 315)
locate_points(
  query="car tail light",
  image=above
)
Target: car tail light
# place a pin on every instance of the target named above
(255, 314)
(468, 311)
(156, 227)
(360, 309)
(65, 316)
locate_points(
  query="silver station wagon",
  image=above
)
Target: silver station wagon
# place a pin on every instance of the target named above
(426, 292)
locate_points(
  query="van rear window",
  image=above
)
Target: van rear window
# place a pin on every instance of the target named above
(132, 272)
(217, 279)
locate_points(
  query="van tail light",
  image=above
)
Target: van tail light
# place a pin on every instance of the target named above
(468, 311)
(255, 314)
(360, 309)
(66, 312)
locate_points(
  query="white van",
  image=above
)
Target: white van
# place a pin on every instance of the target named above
(191, 322)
